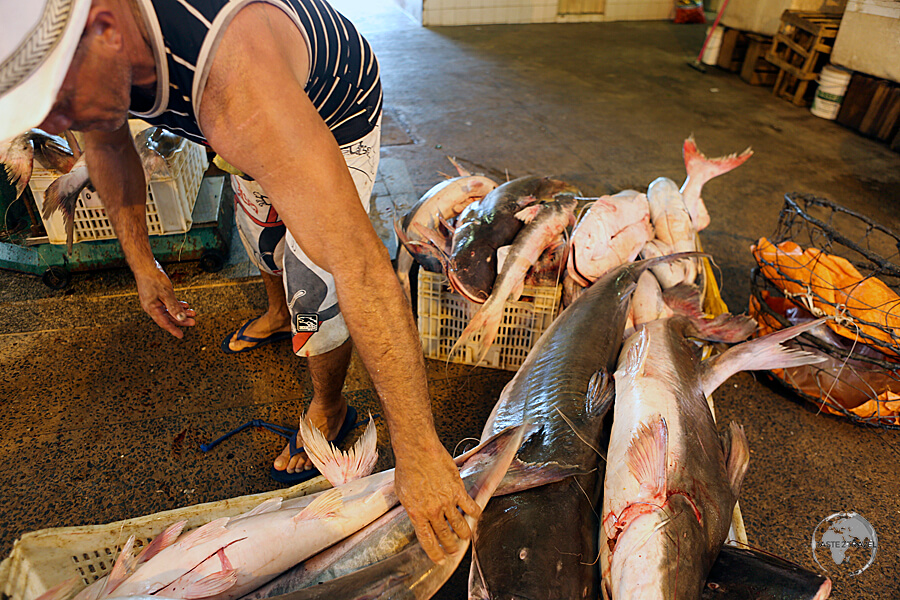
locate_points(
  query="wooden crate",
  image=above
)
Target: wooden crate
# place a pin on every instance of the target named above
(733, 50)
(871, 106)
(799, 50)
(756, 70)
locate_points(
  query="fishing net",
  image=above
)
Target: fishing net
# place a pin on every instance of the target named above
(827, 260)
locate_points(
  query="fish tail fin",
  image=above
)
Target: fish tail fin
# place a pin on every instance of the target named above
(18, 163)
(647, 457)
(325, 505)
(161, 542)
(760, 354)
(463, 172)
(738, 457)
(699, 166)
(62, 195)
(485, 322)
(338, 466)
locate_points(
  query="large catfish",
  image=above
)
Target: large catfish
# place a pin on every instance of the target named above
(489, 224)
(542, 543)
(671, 484)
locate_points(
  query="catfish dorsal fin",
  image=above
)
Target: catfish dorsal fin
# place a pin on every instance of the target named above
(600, 394)
(161, 542)
(210, 531)
(324, 505)
(646, 458)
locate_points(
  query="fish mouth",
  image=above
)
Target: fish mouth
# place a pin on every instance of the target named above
(460, 288)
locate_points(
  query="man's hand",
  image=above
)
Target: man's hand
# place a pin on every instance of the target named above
(158, 300)
(429, 487)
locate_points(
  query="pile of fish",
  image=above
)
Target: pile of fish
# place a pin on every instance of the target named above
(155, 147)
(492, 240)
(578, 508)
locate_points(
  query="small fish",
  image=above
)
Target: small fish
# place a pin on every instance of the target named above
(700, 170)
(544, 224)
(489, 224)
(671, 484)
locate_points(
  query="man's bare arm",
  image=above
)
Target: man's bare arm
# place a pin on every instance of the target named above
(118, 176)
(261, 121)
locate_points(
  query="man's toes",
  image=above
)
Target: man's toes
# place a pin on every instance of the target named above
(281, 462)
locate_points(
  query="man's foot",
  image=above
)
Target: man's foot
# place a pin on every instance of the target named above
(261, 328)
(329, 421)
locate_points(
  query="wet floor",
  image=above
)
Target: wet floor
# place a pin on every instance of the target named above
(104, 413)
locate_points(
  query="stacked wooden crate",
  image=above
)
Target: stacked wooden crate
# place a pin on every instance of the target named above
(744, 52)
(799, 50)
(871, 106)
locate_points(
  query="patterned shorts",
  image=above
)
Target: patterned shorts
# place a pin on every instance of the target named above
(316, 321)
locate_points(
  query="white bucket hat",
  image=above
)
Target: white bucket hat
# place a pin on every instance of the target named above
(37, 41)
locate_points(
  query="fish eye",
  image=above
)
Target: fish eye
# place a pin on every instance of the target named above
(523, 553)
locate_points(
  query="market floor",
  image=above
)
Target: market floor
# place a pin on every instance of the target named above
(103, 413)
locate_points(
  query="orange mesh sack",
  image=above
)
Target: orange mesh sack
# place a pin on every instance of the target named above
(825, 260)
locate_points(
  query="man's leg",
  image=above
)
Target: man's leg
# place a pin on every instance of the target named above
(276, 318)
(319, 330)
(328, 407)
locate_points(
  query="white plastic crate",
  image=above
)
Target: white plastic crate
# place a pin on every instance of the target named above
(43, 559)
(444, 314)
(170, 200)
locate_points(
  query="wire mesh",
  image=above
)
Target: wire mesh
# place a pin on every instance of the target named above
(860, 376)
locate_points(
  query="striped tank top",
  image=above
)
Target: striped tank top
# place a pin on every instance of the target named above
(343, 84)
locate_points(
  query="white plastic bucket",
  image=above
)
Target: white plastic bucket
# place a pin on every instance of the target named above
(833, 82)
(711, 52)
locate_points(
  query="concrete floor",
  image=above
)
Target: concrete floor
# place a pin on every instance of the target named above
(103, 412)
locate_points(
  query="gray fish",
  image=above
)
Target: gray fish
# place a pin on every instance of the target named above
(489, 224)
(745, 574)
(671, 484)
(542, 543)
